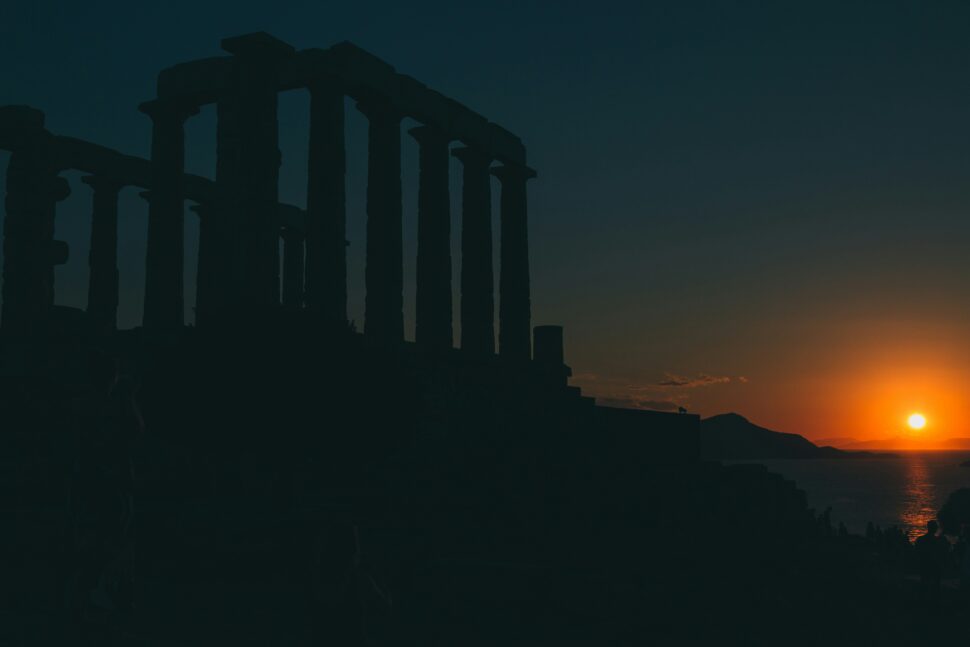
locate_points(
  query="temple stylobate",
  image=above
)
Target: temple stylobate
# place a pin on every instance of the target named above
(240, 271)
(242, 224)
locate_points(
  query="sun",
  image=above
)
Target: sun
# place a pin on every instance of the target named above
(917, 421)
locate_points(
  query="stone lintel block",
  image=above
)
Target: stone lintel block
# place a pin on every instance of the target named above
(424, 104)
(467, 125)
(257, 44)
(309, 66)
(366, 73)
(103, 183)
(104, 163)
(176, 108)
(504, 145)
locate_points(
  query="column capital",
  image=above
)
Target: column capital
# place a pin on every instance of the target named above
(257, 44)
(102, 183)
(57, 188)
(289, 233)
(376, 109)
(513, 172)
(161, 109)
(202, 209)
(472, 156)
(426, 134)
(328, 83)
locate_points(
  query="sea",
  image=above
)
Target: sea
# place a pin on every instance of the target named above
(906, 491)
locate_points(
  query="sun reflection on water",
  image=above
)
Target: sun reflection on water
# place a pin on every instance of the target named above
(918, 504)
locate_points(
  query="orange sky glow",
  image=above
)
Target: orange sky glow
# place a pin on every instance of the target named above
(860, 379)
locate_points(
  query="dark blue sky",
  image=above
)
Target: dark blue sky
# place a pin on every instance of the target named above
(727, 189)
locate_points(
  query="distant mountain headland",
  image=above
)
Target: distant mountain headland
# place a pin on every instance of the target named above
(732, 436)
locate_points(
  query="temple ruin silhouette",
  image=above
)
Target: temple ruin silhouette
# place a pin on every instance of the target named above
(275, 430)
(241, 221)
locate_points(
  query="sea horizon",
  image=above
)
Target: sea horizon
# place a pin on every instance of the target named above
(905, 491)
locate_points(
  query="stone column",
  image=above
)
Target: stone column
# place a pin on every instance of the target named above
(293, 269)
(548, 345)
(103, 255)
(165, 257)
(433, 312)
(477, 283)
(514, 301)
(384, 274)
(30, 251)
(205, 288)
(257, 59)
(220, 270)
(548, 358)
(326, 236)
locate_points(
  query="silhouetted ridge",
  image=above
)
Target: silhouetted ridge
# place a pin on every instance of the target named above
(732, 436)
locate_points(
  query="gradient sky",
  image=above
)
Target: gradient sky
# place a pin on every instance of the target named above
(752, 207)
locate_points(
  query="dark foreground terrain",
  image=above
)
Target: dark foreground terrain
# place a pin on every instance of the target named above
(302, 493)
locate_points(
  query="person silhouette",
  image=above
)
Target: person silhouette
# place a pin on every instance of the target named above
(345, 588)
(932, 551)
(103, 487)
(962, 554)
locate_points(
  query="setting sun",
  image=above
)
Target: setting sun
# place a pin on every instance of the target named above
(917, 421)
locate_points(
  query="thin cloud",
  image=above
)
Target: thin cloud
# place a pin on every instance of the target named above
(619, 392)
(669, 394)
(702, 379)
(625, 402)
(659, 405)
(617, 401)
